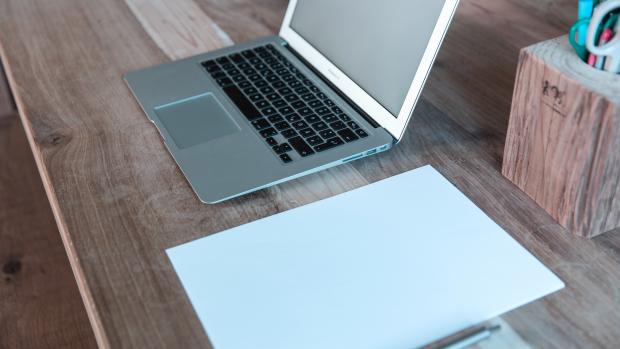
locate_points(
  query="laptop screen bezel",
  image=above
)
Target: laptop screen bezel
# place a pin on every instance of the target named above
(394, 124)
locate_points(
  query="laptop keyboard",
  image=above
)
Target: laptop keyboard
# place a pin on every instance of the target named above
(281, 103)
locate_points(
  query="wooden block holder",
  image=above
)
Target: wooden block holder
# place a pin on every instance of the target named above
(563, 139)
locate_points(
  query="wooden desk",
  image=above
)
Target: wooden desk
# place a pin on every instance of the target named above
(120, 201)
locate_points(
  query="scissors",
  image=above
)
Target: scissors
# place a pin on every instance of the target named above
(611, 49)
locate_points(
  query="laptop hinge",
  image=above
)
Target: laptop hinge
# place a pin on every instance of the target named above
(352, 104)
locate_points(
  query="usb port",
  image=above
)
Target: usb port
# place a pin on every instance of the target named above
(371, 152)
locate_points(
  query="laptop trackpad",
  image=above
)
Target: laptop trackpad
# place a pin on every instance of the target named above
(196, 120)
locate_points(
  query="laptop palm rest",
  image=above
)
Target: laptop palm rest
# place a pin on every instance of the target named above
(196, 120)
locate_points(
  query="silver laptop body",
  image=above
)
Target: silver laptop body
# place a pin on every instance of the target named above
(253, 115)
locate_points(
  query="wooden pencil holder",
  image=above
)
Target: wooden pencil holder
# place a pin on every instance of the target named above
(563, 141)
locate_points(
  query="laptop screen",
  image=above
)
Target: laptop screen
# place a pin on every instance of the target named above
(377, 44)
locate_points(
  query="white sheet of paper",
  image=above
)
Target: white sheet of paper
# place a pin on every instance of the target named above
(395, 264)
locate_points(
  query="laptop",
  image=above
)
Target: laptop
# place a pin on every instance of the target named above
(339, 83)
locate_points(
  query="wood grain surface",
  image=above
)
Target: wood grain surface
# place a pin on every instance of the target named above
(7, 107)
(563, 138)
(119, 200)
(40, 306)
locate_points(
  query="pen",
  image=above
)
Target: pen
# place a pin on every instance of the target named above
(586, 7)
(464, 338)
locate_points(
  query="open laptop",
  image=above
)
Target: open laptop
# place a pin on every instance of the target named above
(339, 83)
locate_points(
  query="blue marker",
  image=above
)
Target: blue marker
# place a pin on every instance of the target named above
(586, 7)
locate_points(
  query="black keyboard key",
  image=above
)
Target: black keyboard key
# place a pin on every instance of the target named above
(279, 103)
(291, 98)
(275, 118)
(234, 72)
(319, 126)
(255, 77)
(308, 97)
(218, 74)
(273, 96)
(237, 58)
(260, 83)
(261, 124)
(315, 89)
(307, 132)
(301, 90)
(268, 111)
(361, 133)
(329, 102)
(337, 110)
(256, 97)
(338, 125)
(344, 117)
(301, 146)
(321, 95)
(286, 110)
(322, 110)
(298, 105)
(228, 66)
(305, 111)
(352, 125)
(223, 60)
(289, 133)
(285, 91)
(312, 118)
(285, 158)
(213, 68)
(278, 84)
(294, 83)
(267, 90)
(272, 78)
(285, 147)
(329, 118)
(246, 107)
(250, 91)
(210, 63)
(280, 149)
(245, 84)
(300, 125)
(254, 60)
(315, 103)
(239, 78)
(268, 132)
(249, 71)
(329, 144)
(265, 72)
(271, 141)
(327, 134)
(293, 117)
(248, 54)
(282, 125)
(348, 135)
(314, 140)
(262, 104)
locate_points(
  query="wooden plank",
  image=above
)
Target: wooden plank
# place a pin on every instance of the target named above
(120, 201)
(40, 306)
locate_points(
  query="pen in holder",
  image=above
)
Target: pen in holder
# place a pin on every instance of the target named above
(601, 46)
